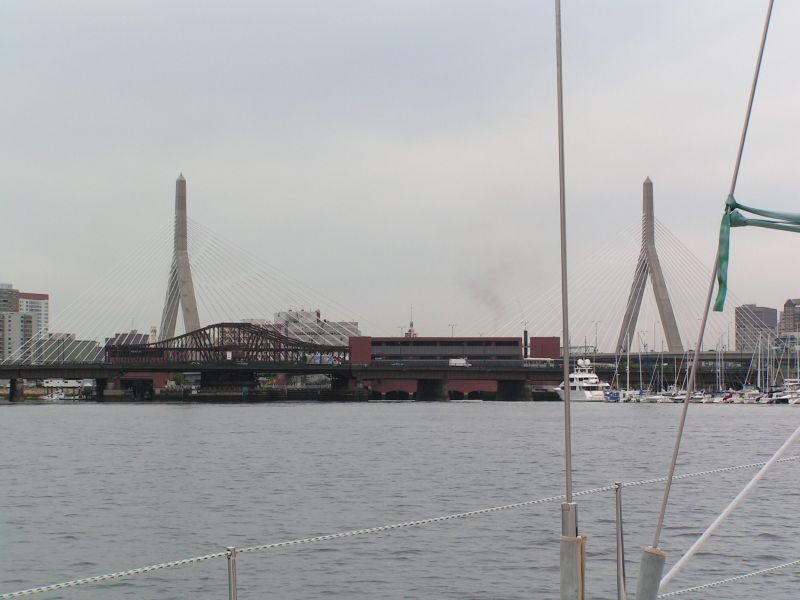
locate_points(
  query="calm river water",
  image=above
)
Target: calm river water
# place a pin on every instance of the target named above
(88, 489)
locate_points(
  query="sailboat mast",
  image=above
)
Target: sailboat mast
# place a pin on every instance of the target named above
(572, 547)
(641, 385)
(628, 365)
(570, 529)
(758, 364)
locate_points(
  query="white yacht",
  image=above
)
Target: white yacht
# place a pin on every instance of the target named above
(54, 396)
(584, 384)
(791, 387)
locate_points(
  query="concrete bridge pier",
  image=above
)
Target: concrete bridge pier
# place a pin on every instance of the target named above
(100, 391)
(513, 391)
(432, 390)
(15, 390)
(342, 383)
(347, 388)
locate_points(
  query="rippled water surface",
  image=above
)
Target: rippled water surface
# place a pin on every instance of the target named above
(92, 489)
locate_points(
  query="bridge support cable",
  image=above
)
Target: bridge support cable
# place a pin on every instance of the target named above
(261, 279)
(210, 278)
(110, 301)
(589, 287)
(237, 290)
(685, 291)
(119, 306)
(264, 270)
(538, 309)
(210, 267)
(76, 321)
(127, 297)
(696, 266)
(405, 525)
(585, 283)
(244, 287)
(591, 290)
(690, 277)
(270, 273)
(214, 274)
(597, 299)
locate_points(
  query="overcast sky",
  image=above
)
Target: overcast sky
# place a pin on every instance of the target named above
(391, 152)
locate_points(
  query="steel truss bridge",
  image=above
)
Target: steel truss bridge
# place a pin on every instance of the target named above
(233, 349)
(224, 342)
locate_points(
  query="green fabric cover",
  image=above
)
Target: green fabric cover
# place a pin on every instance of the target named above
(733, 217)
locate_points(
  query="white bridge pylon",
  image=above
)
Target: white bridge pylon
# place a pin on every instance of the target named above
(649, 265)
(180, 288)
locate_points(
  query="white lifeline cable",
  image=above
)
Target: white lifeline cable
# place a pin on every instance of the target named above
(358, 532)
(706, 586)
(110, 576)
(729, 509)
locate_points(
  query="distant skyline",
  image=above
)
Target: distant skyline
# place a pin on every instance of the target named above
(394, 152)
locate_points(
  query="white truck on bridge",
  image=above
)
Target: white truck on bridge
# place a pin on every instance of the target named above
(459, 362)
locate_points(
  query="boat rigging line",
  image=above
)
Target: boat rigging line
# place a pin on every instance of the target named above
(652, 557)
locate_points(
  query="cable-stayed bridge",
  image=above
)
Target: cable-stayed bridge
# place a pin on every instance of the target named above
(617, 294)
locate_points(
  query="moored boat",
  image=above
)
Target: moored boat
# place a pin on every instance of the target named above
(584, 384)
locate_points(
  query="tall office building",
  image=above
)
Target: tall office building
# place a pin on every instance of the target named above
(39, 305)
(23, 316)
(790, 318)
(753, 322)
(16, 331)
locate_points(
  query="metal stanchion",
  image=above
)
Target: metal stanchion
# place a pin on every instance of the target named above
(622, 593)
(231, 572)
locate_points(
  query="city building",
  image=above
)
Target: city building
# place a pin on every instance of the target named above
(454, 353)
(23, 316)
(39, 305)
(16, 331)
(544, 347)
(364, 350)
(790, 318)
(309, 326)
(9, 298)
(753, 323)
